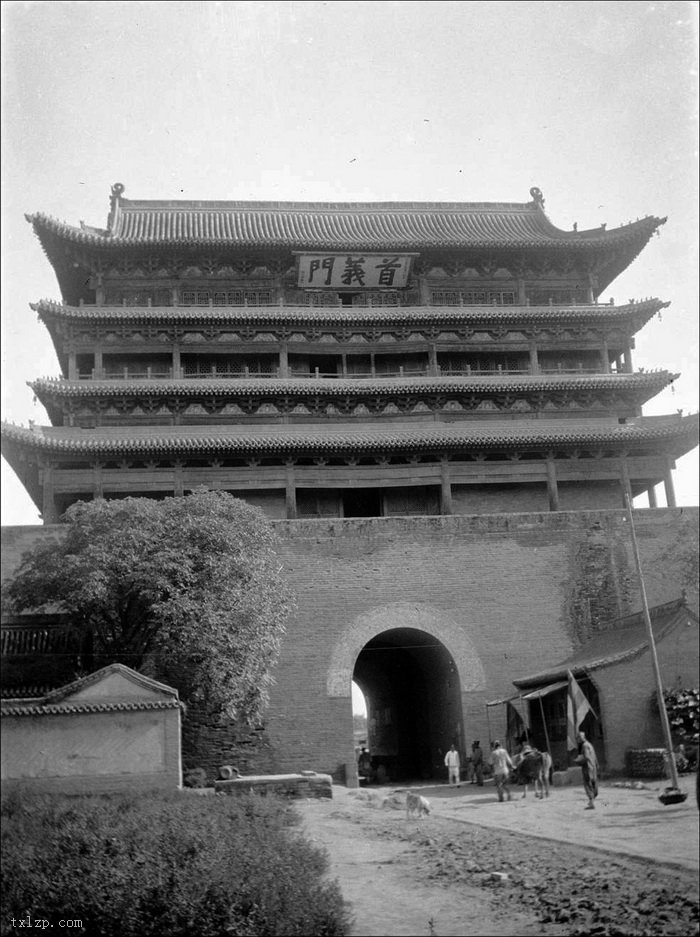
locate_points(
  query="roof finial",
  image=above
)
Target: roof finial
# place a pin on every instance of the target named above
(537, 196)
(115, 195)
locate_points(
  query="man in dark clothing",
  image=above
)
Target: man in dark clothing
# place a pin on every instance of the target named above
(478, 763)
(589, 768)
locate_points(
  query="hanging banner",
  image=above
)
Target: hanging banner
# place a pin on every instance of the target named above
(359, 271)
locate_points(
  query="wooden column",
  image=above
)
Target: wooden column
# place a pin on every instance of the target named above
(552, 486)
(605, 356)
(627, 358)
(446, 487)
(651, 493)
(291, 491)
(72, 365)
(433, 360)
(522, 295)
(97, 490)
(98, 369)
(534, 360)
(626, 488)
(177, 363)
(178, 480)
(668, 485)
(284, 360)
(591, 287)
(49, 512)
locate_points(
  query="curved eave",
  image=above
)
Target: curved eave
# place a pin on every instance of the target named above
(676, 435)
(360, 227)
(49, 389)
(634, 314)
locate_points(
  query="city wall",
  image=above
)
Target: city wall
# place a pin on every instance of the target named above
(507, 594)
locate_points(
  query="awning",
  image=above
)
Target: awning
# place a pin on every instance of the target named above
(533, 694)
(545, 690)
(507, 699)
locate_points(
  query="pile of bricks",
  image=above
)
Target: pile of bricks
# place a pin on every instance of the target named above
(645, 763)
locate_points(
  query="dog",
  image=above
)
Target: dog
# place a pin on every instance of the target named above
(415, 804)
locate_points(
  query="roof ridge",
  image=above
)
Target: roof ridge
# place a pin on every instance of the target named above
(293, 206)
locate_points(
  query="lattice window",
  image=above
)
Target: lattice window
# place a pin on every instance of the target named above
(233, 297)
(376, 299)
(445, 298)
(473, 297)
(317, 299)
(138, 298)
(562, 297)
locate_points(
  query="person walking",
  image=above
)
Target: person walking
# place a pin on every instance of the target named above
(589, 768)
(502, 766)
(452, 762)
(478, 763)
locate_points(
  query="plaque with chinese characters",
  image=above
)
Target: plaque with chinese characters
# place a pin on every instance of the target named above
(354, 271)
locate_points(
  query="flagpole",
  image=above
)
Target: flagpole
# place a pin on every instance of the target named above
(544, 726)
(652, 647)
(522, 710)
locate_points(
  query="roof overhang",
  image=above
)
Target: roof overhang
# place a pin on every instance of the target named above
(532, 695)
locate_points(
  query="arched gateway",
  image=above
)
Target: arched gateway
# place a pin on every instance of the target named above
(413, 663)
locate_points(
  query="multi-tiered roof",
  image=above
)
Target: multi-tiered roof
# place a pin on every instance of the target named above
(345, 359)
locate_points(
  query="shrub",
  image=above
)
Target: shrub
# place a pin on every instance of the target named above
(176, 864)
(683, 708)
(196, 777)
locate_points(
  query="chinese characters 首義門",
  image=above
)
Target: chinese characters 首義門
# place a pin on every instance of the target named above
(364, 271)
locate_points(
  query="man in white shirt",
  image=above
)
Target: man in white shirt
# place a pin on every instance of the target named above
(502, 766)
(452, 762)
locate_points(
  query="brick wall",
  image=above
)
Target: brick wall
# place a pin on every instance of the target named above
(626, 692)
(507, 595)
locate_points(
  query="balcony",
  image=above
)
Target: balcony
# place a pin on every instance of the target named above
(274, 297)
(246, 373)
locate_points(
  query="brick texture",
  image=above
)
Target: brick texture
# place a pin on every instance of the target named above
(506, 595)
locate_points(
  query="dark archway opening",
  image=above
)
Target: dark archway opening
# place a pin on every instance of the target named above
(413, 696)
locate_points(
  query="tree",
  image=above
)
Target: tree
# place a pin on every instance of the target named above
(188, 590)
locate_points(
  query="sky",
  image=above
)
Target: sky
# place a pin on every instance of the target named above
(595, 103)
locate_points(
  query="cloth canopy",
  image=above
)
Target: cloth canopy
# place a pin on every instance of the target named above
(532, 694)
(545, 690)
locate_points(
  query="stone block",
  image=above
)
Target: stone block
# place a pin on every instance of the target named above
(565, 778)
(308, 784)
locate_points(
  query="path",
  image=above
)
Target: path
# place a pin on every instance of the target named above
(444, 875)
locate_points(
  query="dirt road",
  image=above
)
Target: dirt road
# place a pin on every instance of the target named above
(475, 866)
